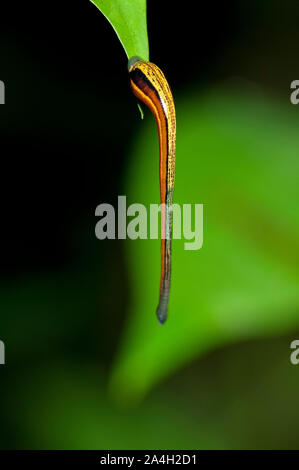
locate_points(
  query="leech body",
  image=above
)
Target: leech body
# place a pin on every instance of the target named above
(149, 84)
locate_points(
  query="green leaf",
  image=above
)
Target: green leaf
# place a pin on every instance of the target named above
(238, 156)
(128, 18)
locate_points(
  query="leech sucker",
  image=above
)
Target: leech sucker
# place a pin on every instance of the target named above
(149, 84)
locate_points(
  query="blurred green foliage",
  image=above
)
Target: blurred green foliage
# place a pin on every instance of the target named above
(245, 396)
(128, 18)
(196, 382)
(236, 154)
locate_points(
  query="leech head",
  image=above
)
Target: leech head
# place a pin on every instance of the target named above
(133, 61)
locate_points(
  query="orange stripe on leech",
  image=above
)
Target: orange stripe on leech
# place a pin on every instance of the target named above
(152, 101)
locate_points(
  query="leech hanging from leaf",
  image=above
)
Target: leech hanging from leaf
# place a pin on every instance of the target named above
(149, 84)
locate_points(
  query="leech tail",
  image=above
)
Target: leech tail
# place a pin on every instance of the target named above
(162, 309)
(166, 233)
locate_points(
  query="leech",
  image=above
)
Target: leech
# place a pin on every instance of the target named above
(149, 84)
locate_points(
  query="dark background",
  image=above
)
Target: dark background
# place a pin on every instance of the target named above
(69, 113)
(69, 119)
